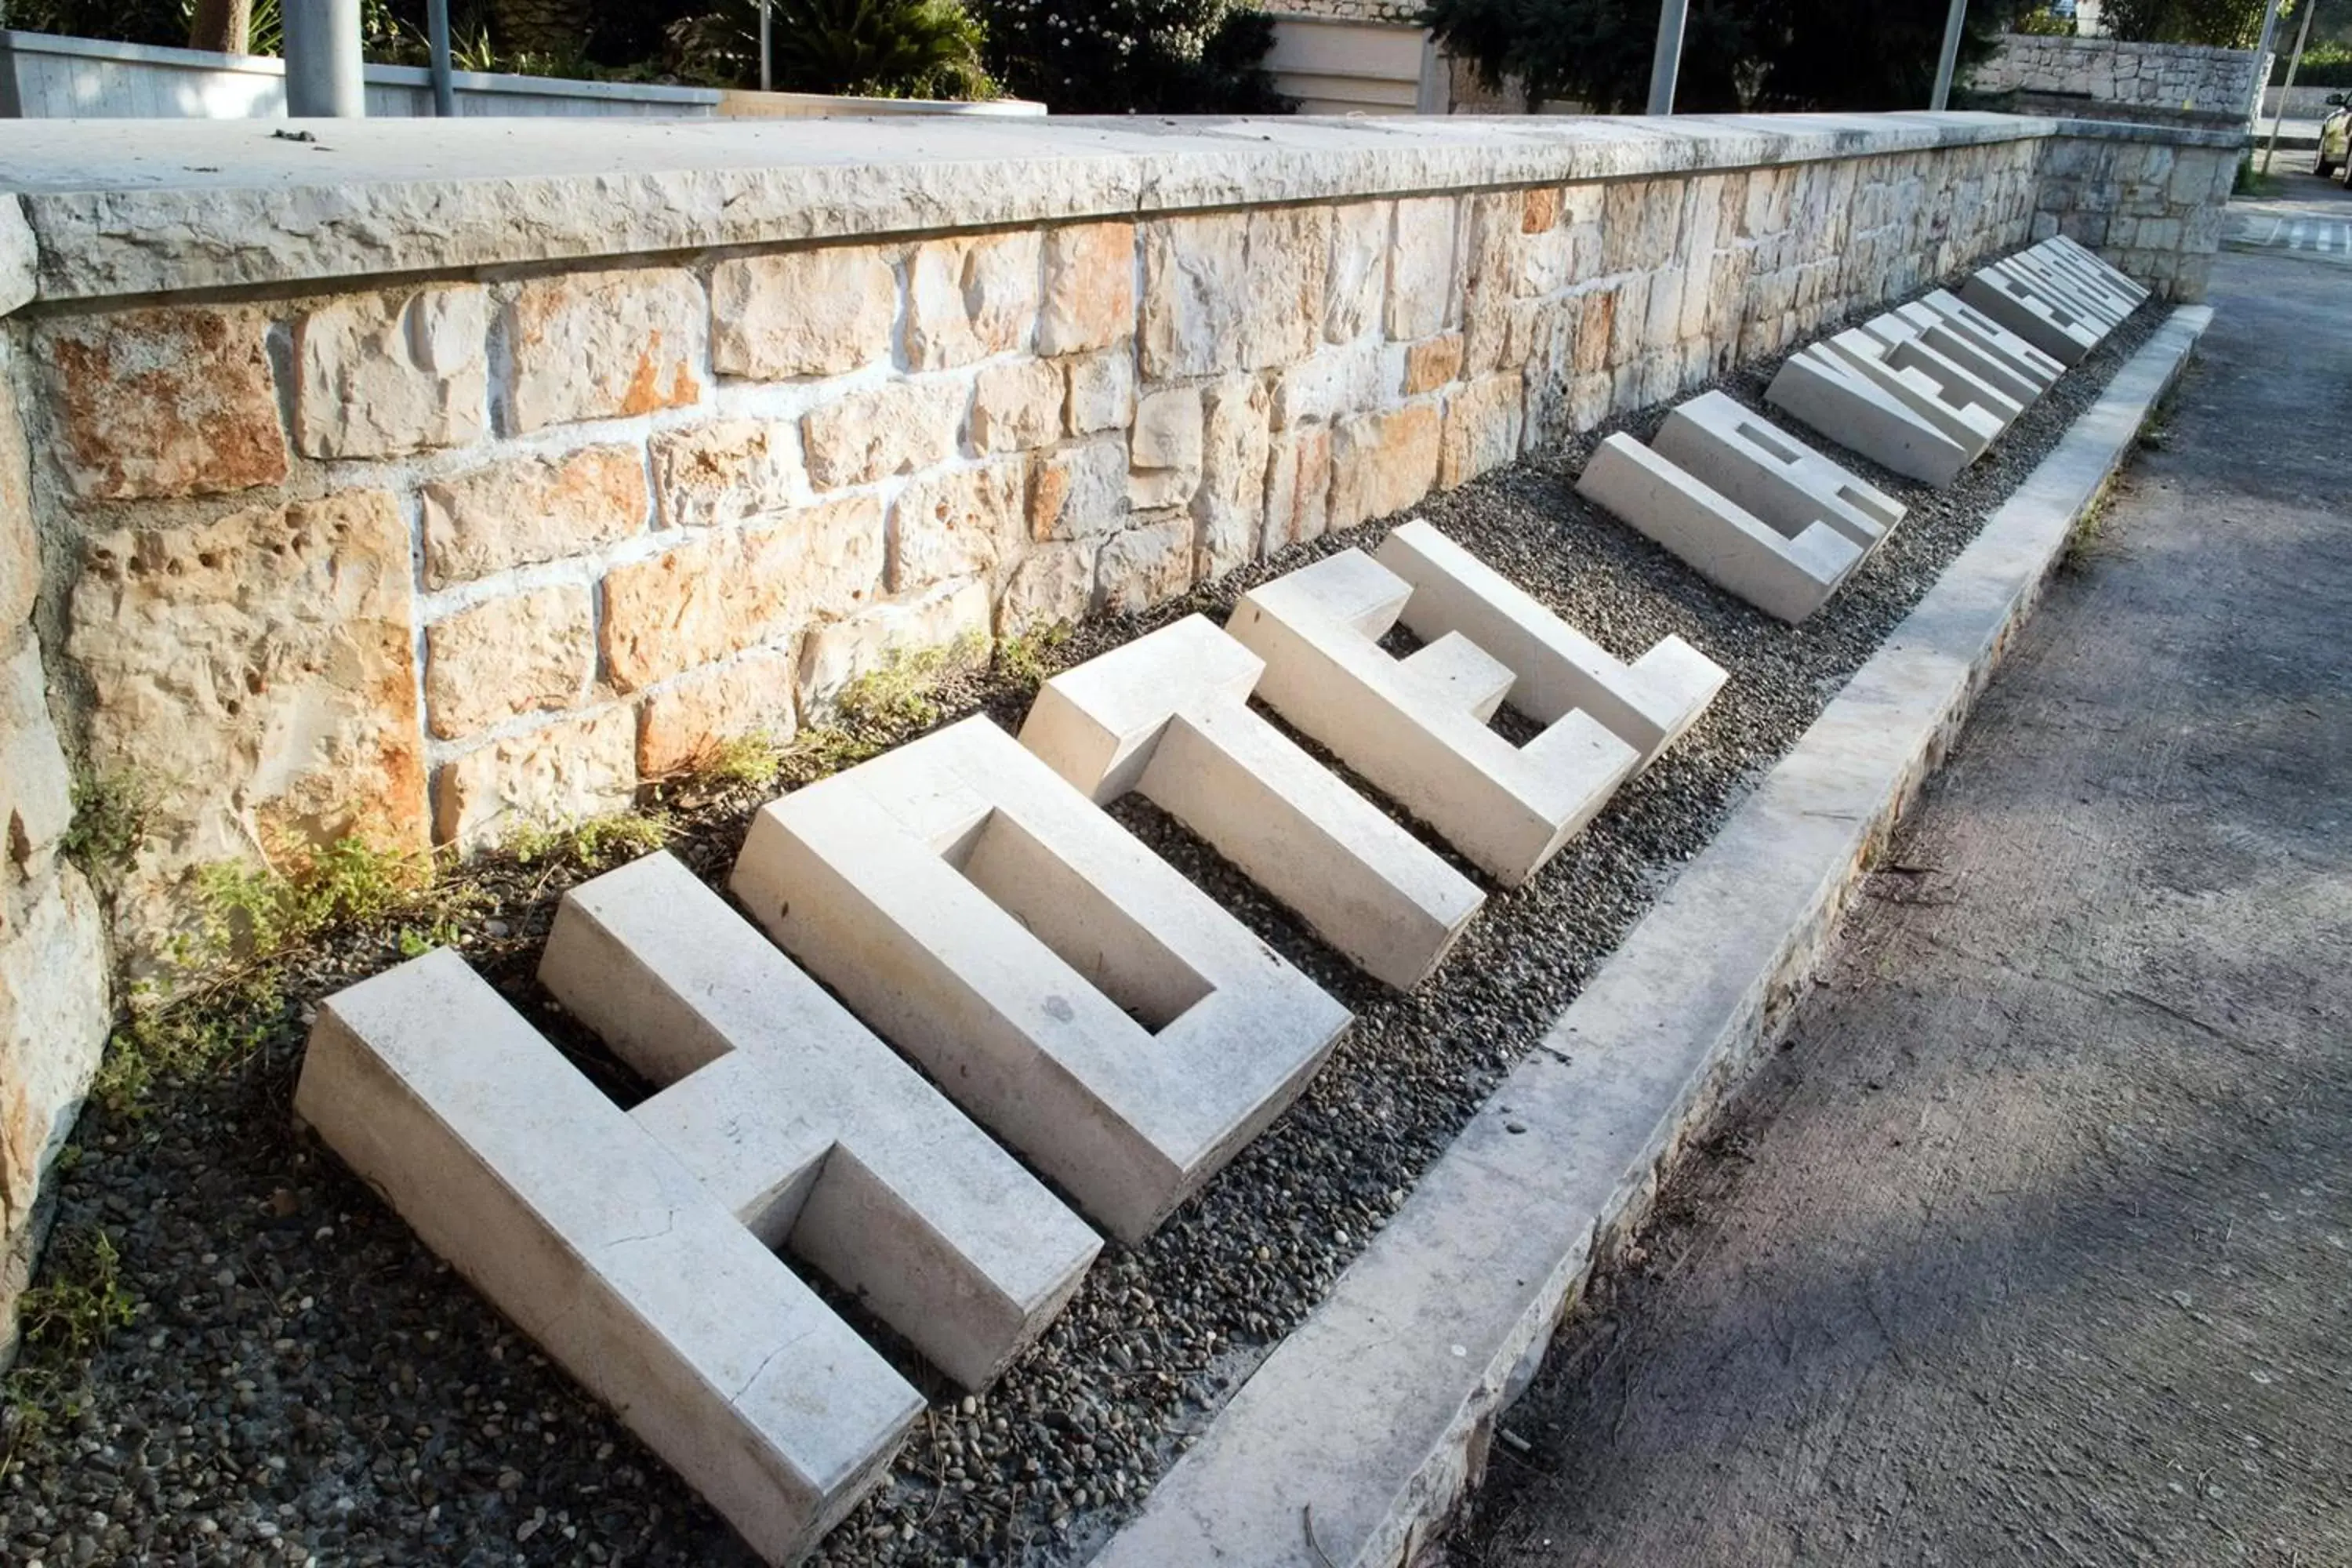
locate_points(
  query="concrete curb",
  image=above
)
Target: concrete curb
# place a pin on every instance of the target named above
(1362, 1430)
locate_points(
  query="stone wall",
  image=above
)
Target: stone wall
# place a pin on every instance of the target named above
(2168, 79)
(53, 961)
(2149, 200)
(438, 483)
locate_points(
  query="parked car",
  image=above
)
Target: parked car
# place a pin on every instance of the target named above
(2335, 136)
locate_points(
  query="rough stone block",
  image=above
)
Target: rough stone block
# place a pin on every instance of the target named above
(598, 345)
(1164, 452)
(806, 1129)
(968, 299)
(893, 428)
(1230, 505)
(1717, 538)
(174, 402)
(1771, 475)
(1357, 285)
(965, 522)
(1483, 423)
(1054, 585)
(520, 653)
(1090, 287)
(1168, 715)
(1423, 294)
(1557, 670)
(2017, 305)
(683, 723)
(1102, 391)
(802, 312)
(1017, 405)
(1071, 991)
(20, 548)
(1383, 463)
(604, 1248)
(36, 786)
(378, 375)
(1830, 394)
(54, 1019)
(951, 616)
(563, 772)
(260, 669)
(1411, 727)
(1225, 291)
(1139, 566)
(1431, 363)
(708, 475)
(1336, 383)
(726, 590)
(1298, 488)
(524, 511)
(1080, 491)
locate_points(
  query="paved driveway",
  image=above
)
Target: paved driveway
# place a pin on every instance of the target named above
(2310, 219)
(2034, 1245)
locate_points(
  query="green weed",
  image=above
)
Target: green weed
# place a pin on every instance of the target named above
(109, 822)
(596, 845)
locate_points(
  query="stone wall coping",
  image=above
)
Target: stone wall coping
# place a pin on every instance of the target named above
(2125, 45)
(131, 207)
(2233, 136)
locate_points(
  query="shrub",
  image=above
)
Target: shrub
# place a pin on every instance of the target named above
(2043, 22)
(875, 48)
(1141, 57)
(2224, 24)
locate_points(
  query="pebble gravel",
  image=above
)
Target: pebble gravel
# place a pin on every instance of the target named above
(304, 1383)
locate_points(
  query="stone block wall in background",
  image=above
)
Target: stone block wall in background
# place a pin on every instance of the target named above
(2186, 80)
(2148, 199)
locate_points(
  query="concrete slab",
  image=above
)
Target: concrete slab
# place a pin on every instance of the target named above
(808, 1128)
(1770, 474)
(1844, 404)
(1898, 328)
(1417, 727)
(1959, 386)
(604, 1248)
(1168, 715)
(1947, 406)
(1556, 668)
(1782, 576)
(1066, 986)
(2016, 304)
(1372, 1417)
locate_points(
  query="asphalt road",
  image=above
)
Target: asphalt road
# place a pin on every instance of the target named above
(2034, 1245)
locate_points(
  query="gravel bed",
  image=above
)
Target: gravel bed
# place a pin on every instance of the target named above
(305, 1382)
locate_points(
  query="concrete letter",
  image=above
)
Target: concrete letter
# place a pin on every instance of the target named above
(1168, 715)
(806, 1127)
(1062, 983)
(1828, 393)
(1780, 575)
(2018, 304)
(1770, 474)
(1964, 410)
(604, 1248)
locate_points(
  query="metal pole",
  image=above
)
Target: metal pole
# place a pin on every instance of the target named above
(436, 28)
(764, 45)
(2262, 61)
(2302, 37)
(322, 60)
(1946, 63)
(1668, 61)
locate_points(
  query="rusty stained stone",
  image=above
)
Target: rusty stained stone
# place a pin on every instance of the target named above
(163, 403)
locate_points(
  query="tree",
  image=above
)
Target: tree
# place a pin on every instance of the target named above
(1736, 54)
(1141, 57)
(222, 25)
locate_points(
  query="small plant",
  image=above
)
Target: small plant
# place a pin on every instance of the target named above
(1022, 655)
(256, 910)
(595, 845)
(110, 823)
(193, 1035)
(81, 1299)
